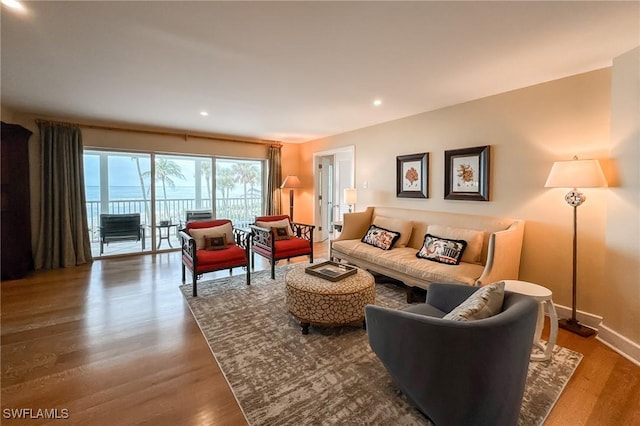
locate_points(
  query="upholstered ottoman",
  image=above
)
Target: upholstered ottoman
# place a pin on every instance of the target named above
(314, 300)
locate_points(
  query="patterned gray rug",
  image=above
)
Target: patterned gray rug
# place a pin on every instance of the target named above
(329, 376)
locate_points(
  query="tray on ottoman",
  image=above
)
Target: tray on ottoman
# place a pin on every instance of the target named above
(331, 271)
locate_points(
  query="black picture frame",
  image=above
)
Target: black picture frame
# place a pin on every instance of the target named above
(412, 173)
(466, 174)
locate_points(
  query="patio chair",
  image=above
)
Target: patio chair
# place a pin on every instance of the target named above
(277, 237)
(120, 227)
(213, 245)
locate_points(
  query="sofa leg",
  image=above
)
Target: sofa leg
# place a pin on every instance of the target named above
(416, 295)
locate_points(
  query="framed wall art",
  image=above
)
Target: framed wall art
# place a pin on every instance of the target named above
(466, 174)
(411, 176)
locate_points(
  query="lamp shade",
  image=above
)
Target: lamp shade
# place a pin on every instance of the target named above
(350, 196)
(576, 174)
(291, 181)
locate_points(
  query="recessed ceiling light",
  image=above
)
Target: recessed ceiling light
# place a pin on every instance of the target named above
(204, 113)
(13, 4)
(377, 102)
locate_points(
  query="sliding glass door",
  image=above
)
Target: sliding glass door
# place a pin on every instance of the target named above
(160, 189)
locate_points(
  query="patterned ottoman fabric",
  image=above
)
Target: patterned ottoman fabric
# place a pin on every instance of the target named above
(314, 300)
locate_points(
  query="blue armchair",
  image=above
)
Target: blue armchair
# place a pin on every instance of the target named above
(457, 373)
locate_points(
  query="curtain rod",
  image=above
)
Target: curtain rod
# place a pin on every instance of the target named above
(161, 133)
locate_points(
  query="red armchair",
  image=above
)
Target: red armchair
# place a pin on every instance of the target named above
(268, 239)
(204, 250)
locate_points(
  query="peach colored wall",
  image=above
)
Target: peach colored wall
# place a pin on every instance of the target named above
(527, 129)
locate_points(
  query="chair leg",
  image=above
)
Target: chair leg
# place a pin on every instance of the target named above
(195, 284)
(183, 274)
(253, 261)
(273, 270)
(248, 276)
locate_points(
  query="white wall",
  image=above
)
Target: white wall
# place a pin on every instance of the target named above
(622, 283)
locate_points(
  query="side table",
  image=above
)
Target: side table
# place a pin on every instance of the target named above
(543, 296)
(167, 236)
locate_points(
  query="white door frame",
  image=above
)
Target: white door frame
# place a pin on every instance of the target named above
(316, 161)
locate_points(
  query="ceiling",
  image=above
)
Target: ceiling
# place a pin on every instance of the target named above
(293, 71)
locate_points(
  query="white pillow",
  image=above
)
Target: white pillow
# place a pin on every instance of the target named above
(484, 303)
(473, 237)
(216, 231)
(282, 223)
(401, 226)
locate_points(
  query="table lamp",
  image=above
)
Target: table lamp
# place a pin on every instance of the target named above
(350, 197)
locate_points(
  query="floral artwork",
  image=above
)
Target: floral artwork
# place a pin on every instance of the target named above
(412, 175)
(411, 180)
(467, 174)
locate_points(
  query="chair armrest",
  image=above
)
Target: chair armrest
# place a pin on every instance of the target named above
(242, 237)
(261, 237)
(188, 244)
(303, 230)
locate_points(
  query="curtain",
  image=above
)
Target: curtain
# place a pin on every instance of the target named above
(274, 180)
(63, 238)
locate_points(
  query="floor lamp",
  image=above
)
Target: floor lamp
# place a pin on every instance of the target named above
(575, 174)
(291, 182)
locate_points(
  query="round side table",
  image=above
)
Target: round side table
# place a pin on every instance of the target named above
(543, 296)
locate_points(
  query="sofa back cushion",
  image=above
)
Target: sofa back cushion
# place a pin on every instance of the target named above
(214, 228)
(401, 226)
(473, 237)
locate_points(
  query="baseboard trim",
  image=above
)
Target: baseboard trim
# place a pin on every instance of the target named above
(625, 347)
(590, 320)
(614, 340)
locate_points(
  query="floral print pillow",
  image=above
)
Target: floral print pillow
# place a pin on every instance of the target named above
(380, 237)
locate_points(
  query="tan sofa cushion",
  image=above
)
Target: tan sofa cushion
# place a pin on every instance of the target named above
(402, 226)
(473, 237)
(404, 260)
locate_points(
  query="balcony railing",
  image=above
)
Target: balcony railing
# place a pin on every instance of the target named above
(241, 211)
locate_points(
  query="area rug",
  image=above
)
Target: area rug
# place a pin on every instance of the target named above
(330, 376)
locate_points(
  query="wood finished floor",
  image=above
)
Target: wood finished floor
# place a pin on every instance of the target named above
(115, 343)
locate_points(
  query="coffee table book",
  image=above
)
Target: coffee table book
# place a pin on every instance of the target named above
(331, 271)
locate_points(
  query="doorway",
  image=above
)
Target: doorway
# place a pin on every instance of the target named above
(333, 173)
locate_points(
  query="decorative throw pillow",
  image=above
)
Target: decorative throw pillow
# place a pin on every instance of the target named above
(403, 227)
(484, 303)
(380, 237)
(280, 233)
(216, 231)
(442, 250)
(473, 237)
(282, 223)
(215, 243)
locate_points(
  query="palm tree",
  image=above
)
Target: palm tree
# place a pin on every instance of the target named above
(205, 170)
(165, 171)
(246, 174)
(147, 210)
(225, 182)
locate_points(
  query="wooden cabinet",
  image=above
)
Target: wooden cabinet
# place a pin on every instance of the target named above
(15, 231)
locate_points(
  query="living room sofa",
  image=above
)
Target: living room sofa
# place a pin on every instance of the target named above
(493, 255)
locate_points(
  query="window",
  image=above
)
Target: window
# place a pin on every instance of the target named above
(121, 182)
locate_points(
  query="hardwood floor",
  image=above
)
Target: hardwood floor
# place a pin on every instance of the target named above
(115, 343)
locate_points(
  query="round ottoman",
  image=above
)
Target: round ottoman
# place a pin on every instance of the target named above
(314, 300)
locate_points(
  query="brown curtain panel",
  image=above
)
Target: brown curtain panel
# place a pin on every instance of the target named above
(63, 237)
(274, 180)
